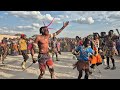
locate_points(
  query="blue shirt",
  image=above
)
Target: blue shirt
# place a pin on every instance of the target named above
(89, 50)
(84, 53)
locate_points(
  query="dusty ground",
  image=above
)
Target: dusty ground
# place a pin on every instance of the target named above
(63, 69)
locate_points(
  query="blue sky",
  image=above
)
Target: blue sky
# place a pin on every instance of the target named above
(81, 24)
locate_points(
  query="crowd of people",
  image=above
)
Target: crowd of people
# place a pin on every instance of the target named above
(90, 51)
(95, 50)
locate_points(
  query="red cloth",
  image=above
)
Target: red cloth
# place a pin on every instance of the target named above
(49, 63)
(81, 43)
(30, 46)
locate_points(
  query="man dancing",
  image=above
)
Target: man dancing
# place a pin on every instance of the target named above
(43, 44)
(110, 50)
(23, 48)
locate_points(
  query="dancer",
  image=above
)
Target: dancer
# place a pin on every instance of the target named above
(43, 44)
(110, 49)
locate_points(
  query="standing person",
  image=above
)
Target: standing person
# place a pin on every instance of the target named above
(83, 59)
(15, 47)
(76, 44)
(96, 42)
(9, 44)
(54, 48)
(31, 48)
(23, 48)
(59, 47)
(62, 45)
(118, 45)
(30, 45)
(4, 41)
(92, 42)
(77, 39)
(19, 51)
(102, 48)
(43, 44)
(72, 46)
(3, 50)
(110, 50)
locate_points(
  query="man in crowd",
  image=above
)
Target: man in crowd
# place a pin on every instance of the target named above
(43, 43)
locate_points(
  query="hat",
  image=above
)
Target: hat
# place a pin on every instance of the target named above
(23, 35)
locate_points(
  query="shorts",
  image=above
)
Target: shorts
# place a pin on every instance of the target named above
(24, 54)
(43, 60)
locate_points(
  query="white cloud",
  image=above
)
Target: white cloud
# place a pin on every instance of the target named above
(24, 27)
(100, 16)
(49, 17)
(59, 22)
(97, 15)
(20, 27)
(32, 15)
(36, 25)
(61, 16)
(27, 14)
(4, 28)
(88, 20)
(8, 31)
(67, 16)
(16, 15)
(109, 19)
(57, 19)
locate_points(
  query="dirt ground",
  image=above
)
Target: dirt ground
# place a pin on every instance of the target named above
(63, 69)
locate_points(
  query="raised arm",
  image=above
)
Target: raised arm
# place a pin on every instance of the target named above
(59, 31)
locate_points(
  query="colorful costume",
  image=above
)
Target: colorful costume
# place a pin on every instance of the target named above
(44, 59)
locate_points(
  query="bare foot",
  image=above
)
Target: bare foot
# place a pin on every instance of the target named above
(40, 77)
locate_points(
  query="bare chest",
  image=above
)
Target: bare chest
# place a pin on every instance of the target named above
(44, 40)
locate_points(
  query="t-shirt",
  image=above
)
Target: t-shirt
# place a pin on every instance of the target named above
(89, 50)
(23, 44)
(83, 53)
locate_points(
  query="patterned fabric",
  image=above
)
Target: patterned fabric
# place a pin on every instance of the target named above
(45, 59)
(110, 46)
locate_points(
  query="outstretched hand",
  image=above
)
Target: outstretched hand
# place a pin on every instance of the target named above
(65, 24)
